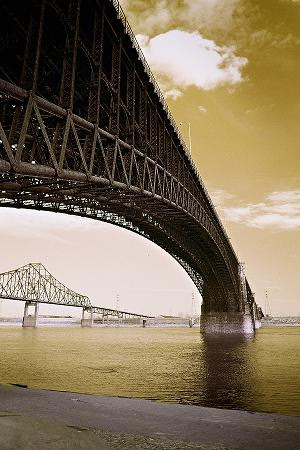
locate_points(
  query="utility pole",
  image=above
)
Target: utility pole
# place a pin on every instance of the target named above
(267, 304)
(193, 304)
(118, 306)
(190, 138)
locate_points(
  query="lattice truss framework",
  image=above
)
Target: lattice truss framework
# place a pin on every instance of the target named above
(33, 282)
(84, 129)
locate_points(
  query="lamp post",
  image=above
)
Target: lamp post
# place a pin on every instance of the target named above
(190, 134)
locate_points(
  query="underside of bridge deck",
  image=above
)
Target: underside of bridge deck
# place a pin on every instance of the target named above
(84, 129)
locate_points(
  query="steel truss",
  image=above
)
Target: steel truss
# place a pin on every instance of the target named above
(33, 283)
(84, 129)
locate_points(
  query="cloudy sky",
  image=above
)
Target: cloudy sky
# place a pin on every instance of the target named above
(230, 68)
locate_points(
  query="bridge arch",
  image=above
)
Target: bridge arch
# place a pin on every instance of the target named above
(137, 221)
(137, 267)
(120, 155)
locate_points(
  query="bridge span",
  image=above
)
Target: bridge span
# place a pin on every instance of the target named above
(33, 284)
(85, 130)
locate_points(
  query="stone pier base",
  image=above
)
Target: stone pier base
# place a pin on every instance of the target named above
(30, 321)
(226, 322)
(257, 324)
(89, 321)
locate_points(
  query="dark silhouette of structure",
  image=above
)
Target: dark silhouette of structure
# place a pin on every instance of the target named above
(85, 130)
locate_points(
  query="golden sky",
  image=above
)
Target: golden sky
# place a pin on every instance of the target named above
(230, 68)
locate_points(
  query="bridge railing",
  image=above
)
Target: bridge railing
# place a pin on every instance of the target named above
(136, 45)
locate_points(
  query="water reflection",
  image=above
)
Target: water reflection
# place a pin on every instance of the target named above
(227, 379)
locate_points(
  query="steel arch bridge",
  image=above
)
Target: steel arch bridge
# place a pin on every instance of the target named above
(84, 129)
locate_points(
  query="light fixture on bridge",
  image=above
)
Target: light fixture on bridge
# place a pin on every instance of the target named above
(190, 134)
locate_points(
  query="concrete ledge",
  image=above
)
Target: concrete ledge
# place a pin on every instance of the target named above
(193, 426)
(19, 432)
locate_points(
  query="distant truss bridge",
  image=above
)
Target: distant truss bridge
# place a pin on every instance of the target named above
(33, 284)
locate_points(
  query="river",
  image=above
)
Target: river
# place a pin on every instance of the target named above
(166, 364)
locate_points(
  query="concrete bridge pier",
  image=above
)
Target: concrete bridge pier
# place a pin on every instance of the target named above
(226, 322)
(257, 316)
(30, 321)
(87, 321)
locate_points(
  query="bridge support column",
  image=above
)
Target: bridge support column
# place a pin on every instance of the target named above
(30, 321)
(257, 324)
(226, 322)
(256, 316)
(89, 321)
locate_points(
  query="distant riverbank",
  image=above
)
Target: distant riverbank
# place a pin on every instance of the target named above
(57, 321)
(153, 323)
(280, 321)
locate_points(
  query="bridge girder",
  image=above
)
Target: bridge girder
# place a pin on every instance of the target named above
(85, 130)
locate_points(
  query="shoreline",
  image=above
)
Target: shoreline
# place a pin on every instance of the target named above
(75, 323)
(91, 421)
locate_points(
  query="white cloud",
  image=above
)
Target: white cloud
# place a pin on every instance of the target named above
(202, 109)
(285, 196)
(174, 94)
(280, 210)
(219, 197)
(260, 109)
(187, 59)
(148, 18)
(208, 13)
(153, 17)
(266, 38)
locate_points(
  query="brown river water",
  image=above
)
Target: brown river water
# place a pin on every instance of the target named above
(166, 364)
